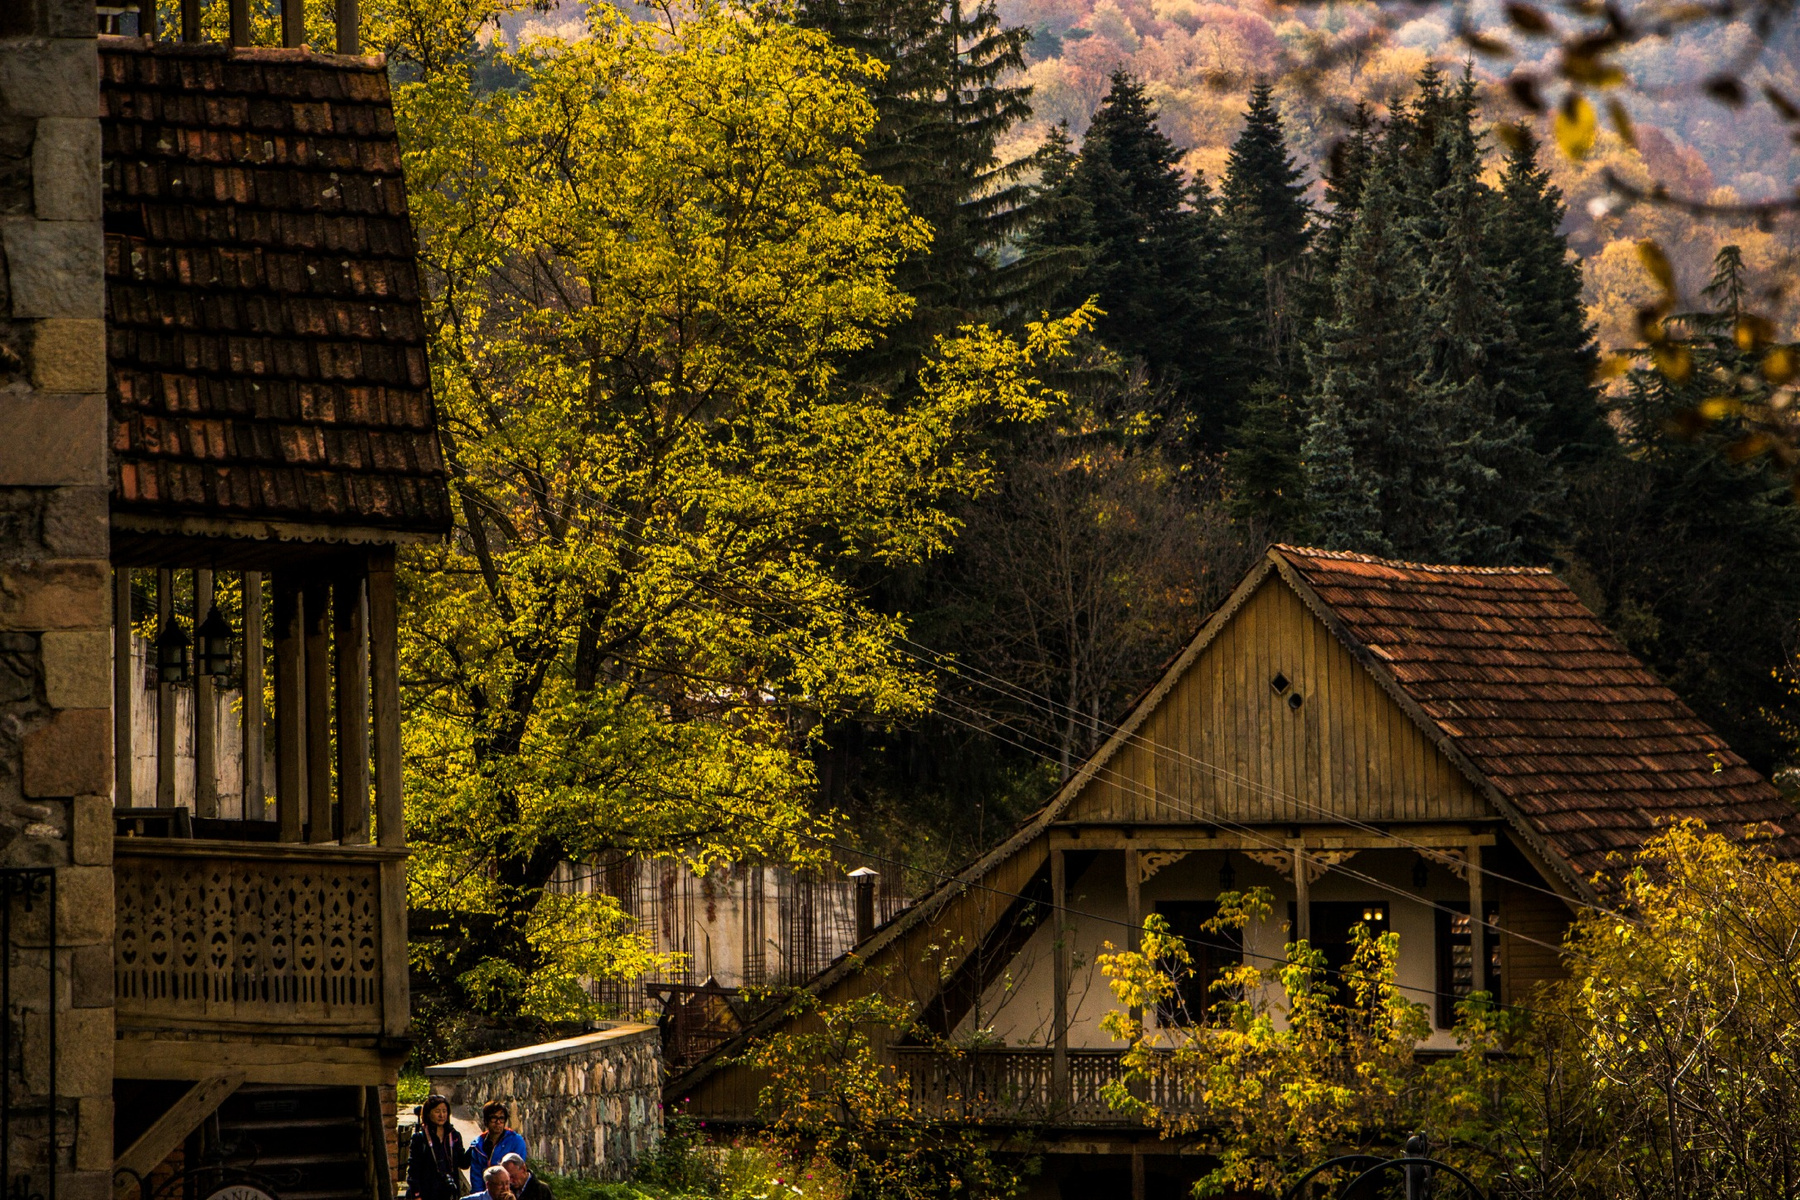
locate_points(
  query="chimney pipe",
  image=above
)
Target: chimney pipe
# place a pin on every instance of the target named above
(865, 902)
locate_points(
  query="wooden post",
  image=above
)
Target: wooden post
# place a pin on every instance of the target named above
(256, 806)
(190, 20)
(384, 668)
(1059, 984)
(124, 684)
(165, 696)
(1137, 1173)
(206, 729)
(290, 705)
(240, 21)
(147, 19)
(351, 643)
(349, 36)
(1134, 920)
(317, 632)
(1478, 951)
(293, 23)
(1302, 899)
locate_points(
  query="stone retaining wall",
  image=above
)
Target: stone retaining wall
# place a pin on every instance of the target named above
(590, 1105)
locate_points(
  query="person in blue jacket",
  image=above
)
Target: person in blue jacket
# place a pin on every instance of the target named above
(496, 1140)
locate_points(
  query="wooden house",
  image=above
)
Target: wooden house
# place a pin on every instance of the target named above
(1450, 753)
(272, 441)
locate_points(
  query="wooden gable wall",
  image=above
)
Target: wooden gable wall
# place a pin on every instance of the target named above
(1222, 744)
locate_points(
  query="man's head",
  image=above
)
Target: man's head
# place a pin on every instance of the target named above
(498, 1181)
(515, 1170)
(494, 1116)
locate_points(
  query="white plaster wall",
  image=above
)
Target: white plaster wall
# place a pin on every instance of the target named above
(1016, 1009)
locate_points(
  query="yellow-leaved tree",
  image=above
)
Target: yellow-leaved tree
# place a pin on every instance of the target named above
(648, 253)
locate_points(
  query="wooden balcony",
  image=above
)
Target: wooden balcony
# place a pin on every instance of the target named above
(1019, 1087)
(271, 938)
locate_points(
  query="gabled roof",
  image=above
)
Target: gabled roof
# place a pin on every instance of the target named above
(265, 339)
(1572, 739)
(1560, 720)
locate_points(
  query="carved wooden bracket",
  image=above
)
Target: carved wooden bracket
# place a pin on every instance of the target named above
(1275, 860)
(1152, 861)
(1317, 862)
(1454, 858)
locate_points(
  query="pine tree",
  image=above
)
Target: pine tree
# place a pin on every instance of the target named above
(1542, 288)
(1694, 547)
(1151, 243)
(1267, 220)
(942, 108)
(1351, 158)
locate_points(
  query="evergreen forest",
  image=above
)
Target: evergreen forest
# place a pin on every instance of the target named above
(1386, 351)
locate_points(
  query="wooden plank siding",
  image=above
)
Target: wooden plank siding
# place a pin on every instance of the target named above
(1224, 746)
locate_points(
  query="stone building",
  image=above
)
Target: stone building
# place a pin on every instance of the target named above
(218, 427)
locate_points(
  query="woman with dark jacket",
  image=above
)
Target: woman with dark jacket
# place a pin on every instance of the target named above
(437, 1156)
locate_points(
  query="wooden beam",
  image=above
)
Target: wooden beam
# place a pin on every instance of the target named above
(349, 36)
(206, 728)
(350, 640)
(317, 633)
(1478, 952)
(1059, 983)
(256, 803)
(1302, 898)
(124, 684)
(190, 20)
(293, 23)
(169, 1130)
(165, 696)
(1134, 935)
(384, 670)
(147, 19)
(396, 995)
(1164, 837)
(240, 21)
(290, 706)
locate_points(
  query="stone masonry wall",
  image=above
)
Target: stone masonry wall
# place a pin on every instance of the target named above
(591, 1105)
(55, 654)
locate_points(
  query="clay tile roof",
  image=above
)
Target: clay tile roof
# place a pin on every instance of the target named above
(264, 331)
(1572, 731)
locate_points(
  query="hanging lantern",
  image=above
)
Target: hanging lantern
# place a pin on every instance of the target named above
(171, 654)
(1227, 875)
(212, 645)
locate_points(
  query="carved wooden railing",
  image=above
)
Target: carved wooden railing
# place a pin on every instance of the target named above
(1018, 1086)
(277, 937)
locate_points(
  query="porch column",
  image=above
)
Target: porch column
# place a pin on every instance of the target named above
(165, 697)
(1059, 983)
(351, 643)
(1302, 898)
(1478, 944)
(290, 705)
(317, 632)
(390, 812)
(1134, 916)
(206, 746)
(256, 807)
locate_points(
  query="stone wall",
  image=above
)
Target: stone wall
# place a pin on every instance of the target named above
(590, 1105)
(55, 599)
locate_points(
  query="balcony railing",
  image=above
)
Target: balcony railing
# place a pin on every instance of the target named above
(277, 938)
(1018, 1087)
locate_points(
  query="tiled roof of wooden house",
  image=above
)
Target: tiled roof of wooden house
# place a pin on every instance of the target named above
(264, 332)
(1566, 725)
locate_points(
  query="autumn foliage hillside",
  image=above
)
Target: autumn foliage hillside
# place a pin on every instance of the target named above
(1196, 57)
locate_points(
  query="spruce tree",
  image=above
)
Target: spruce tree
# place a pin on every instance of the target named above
(1542, 287)
(942, 107)
(1351, 158)
(1267, 223)
(1151, 243)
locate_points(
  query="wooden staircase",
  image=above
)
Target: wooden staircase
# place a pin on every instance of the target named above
(308, 1143)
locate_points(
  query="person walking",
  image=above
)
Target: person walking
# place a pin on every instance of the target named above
(525, 1185)
(498, 1185)
(496, 1140)
(436, 1159)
